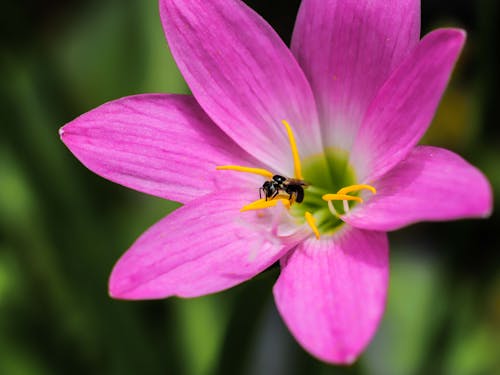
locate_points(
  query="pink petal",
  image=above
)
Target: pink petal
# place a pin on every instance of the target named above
(331, 293)
(430, 184)
(243, 76)
(162, 145)
(405, 105)
(347, 50)
(203, 247)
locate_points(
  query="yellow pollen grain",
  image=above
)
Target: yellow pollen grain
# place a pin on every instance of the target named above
(351, 188)
(262, 203)
(295, 152)
(340, 197)
(312, 223)
(259, 171)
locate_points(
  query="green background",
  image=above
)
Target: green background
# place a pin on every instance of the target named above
(62, 228)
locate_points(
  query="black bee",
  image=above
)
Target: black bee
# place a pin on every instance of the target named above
(283, 185)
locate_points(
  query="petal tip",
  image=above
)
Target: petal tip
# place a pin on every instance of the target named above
(66, 131)
(484, 201)
(114, 291)
(489, 204)
(460, 36)
(350, 359)
(487, 214)
(453, 35)
(120, 291)
(461, 32)
(336, 359)
(119, 285)
(112, 294)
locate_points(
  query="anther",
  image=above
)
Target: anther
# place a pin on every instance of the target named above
(312, 223)
(262, 203)
(341, 197)
(352, 188)
(295, 151)
(259, 171)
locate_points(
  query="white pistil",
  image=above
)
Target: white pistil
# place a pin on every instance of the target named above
(346, 206)
(332, 208)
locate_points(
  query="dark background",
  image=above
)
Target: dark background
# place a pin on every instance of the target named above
(62, 228)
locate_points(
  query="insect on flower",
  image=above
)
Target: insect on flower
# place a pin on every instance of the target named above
(278, 185)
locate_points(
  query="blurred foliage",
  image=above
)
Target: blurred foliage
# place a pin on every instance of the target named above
(62, 228)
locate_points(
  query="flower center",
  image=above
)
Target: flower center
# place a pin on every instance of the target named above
(306, 198)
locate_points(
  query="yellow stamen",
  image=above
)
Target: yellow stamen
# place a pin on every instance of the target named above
(351, 188)
(340, 197)
(262, 203)
(295, 152)
(254, 203)
(312, 223)
(238, 168)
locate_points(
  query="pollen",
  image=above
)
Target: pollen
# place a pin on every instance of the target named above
(259, 171)
(312, 223)
(342, 195)
(262, 203)
(295, 152)
(353, 188)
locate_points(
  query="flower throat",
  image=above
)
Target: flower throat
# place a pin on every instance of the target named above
(303, 196)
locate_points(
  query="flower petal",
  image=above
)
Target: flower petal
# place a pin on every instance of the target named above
(430, 184)
(203, 247)
(347, 50)
(331, 293)
(159, 144)
(243, 76)
(405, 105)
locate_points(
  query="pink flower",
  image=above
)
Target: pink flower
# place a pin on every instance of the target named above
(342, 111)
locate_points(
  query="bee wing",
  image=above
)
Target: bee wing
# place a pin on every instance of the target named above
(294, 181)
